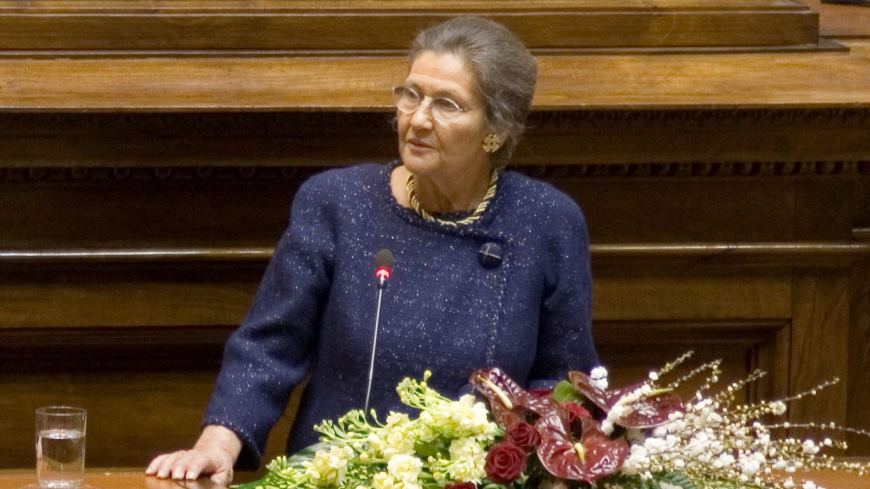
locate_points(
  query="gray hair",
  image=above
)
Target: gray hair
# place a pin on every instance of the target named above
(504, 71)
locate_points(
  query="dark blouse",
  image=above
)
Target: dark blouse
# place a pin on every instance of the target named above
(442, 310)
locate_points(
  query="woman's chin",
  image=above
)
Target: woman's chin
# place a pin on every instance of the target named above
(419, 164)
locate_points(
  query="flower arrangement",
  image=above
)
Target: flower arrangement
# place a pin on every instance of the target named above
(579, 435)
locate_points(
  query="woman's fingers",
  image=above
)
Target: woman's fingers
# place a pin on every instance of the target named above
(167, 465)
(191, 464)
(153, 466)
(179, 469)
(223, 478)
(199, 464)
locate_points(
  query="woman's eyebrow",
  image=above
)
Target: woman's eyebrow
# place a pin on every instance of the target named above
(444, 92)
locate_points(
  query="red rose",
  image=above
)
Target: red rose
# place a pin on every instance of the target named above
(461, 485)
(576, 411)
(523, 435)
(505, 462)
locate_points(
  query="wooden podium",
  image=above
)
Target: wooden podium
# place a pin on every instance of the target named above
(149, 151)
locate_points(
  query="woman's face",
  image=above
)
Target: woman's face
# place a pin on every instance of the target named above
(437, 149)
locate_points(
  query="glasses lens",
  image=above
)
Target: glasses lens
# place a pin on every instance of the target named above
(445, 109)
(406, 99)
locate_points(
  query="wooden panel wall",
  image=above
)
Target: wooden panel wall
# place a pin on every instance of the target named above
(141, 189)
(137, 339)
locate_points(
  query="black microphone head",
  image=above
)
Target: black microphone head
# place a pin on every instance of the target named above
(384, 258)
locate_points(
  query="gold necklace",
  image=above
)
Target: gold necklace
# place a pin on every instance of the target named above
(481, 208)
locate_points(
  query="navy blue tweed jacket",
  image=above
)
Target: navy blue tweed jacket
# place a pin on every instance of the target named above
(442, 310)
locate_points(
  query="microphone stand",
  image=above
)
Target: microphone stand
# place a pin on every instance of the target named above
(381, 284)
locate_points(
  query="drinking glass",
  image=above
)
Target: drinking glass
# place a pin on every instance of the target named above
(60, 447)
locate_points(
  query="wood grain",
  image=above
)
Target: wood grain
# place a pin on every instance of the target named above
(627, 82)
(820, 346)
(108, 478)
(352, 26)
(842, 20)
(231, 6)
(134, 479)
(858, 384)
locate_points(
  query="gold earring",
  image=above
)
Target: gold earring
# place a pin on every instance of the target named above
(491, 143)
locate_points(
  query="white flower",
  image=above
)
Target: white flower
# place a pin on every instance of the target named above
(810, 447)
(714, 419)
(788, 483)
(328, 468)
(598, 377)
(382, 480)
(809, 485)
(777, 408)
(749, 467)
(467, 460)
(405, 468)
(723, 460)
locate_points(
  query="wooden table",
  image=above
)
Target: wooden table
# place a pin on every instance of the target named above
(135, 479)
(129, 478)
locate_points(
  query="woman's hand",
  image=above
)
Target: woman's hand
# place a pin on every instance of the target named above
(214, 454)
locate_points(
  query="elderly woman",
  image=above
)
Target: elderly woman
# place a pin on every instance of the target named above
(491, 267)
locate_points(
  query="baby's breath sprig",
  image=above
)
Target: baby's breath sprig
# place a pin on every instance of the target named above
(727, 395)
(712, 378)
(655, 376)
(719, 442)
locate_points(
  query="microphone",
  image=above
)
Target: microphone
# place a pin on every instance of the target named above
(383, 272)
(383, 267)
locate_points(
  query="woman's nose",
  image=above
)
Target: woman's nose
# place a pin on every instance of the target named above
(422, 116)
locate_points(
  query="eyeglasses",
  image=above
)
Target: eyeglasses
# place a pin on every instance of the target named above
(443, 109)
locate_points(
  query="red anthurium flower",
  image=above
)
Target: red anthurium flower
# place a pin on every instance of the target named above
(575, 411)
(507, 399)
(646, 413)
(461, 485)
(592, 457)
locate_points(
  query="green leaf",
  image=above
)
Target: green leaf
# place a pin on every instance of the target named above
(306, 454)
(623, 481)
(566, 392)
(251, 485)
(675, 479)
(433, 448)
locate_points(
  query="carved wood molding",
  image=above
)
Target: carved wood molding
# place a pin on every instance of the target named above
(688, 332)
(736, 142)
(206, 174)
(702, 118)
(352, 122)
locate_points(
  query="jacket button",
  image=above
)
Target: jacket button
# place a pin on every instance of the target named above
(490, 255)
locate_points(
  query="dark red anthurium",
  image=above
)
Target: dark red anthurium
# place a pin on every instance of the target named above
(592, 457)
(646, 413)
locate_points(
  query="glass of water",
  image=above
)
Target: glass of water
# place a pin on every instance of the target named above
(60, 447)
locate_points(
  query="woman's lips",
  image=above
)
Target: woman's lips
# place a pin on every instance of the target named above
(418, 145)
